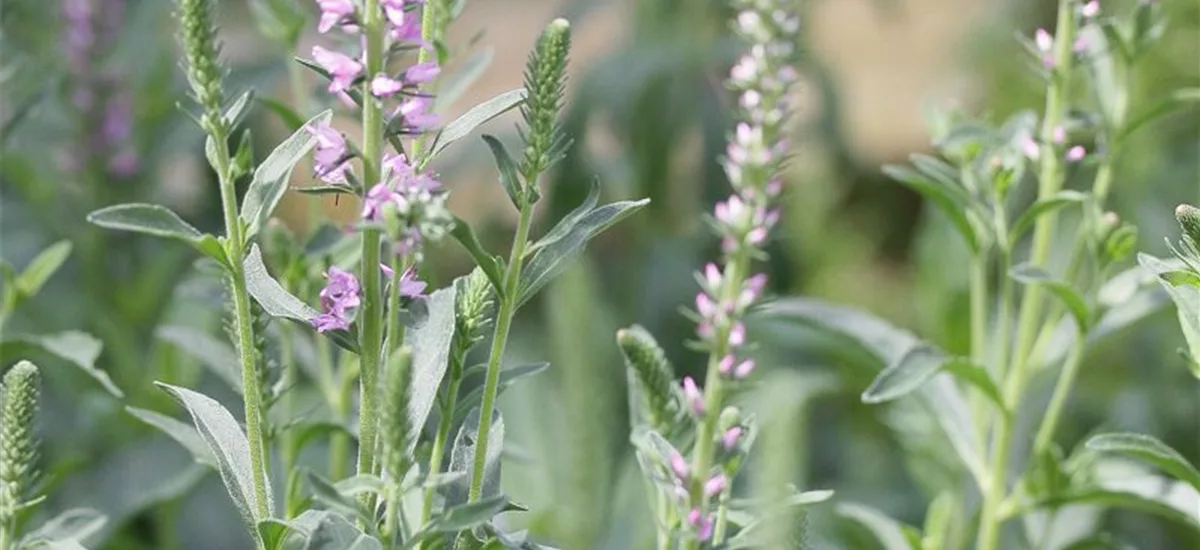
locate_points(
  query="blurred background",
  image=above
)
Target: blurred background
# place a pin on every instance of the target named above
(96, 83)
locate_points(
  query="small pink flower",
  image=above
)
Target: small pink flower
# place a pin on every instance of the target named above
(422, 73)
(333, 12)
(730, 438)
(1030, 148)
(1090, 9)
(694, 398)
(743, 370)
(715, 485)
(1043, 40)
(706, 306)
(343, 69)
(379, 196)
(416, 113)
(382, 86)
(725, 366)
(701, 523)
(1060, 135)
(1081, 45)
(1076, 153)
(712, 276)
(737, 335)
(680, 468)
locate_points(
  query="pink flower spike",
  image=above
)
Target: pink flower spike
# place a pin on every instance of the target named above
(743, 370)
(725, 367)
(382, 86)
(730, 438)
(693, 396)
(1076, 153)
(1043, 40)
(679, 467)
(1090, 9)
(715, 485)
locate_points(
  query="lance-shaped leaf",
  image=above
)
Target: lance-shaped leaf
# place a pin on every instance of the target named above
(77, 348)
(490, 265)
(216, 355)
(952, 200)
(430, 341)
(73, 525)
(160, 221)
(554, 252)
(229, 446)
(476, 117)
(889, 533)
(463, 517)
(1033, 275)
(462, 459)
(271, 177)
(1149, 450)
(40, 269)
(182, 433)
(278, 302)
(918, 365)
(1187, 302)
(508, 171)
(1042, 207)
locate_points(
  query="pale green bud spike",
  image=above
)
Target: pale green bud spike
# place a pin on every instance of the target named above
(545, 81)
(649, 365)
(1189, 220)
(198, 36)
(473, 302)
(394, 422)
(18, 447)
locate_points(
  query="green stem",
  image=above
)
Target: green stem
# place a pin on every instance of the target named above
(234, 246)
(721, 521)
(979, 300)
(508, 308)
(339, 443)
(662, 540)
(371, 320)
(1050, 181)
(1045, 433)
(439, 444)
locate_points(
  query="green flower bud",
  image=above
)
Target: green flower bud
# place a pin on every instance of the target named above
(649, 365)
(545, 81)
(1189, 220)
(18, 446)
(198, 35)
(395, 426)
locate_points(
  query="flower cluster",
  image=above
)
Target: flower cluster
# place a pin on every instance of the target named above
(744, 221)
(342, 295)
(92, 28)
(1033, 150)
(411, 204)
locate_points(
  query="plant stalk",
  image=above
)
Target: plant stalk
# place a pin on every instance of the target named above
(372, 321)
(439, 444)
(1050, 181)
(1045, 433)
(508, 308)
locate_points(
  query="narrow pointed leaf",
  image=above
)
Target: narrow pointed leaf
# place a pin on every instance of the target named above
(564, 226)
(73, 525)
(888, 532)
(159, 221)
(238, 109)
(476, 117)
(77, 348)
(509, 178)
(1033, 275)
(951, 200)
(41, 268)
(1149, 450)
(491, 267)
(271, 177)
(229, 446)
(430, 341)
(920, 364)
(462, 459)
(278, 302)
(1186, 298)
(1042, 207)
(216, 355)
(182, 433)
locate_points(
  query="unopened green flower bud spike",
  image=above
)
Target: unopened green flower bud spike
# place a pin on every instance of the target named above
(1189, 220)
(18, 447)
(546, 81)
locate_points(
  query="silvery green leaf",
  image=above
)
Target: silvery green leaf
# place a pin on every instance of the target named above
(476, 117)
(182, 433)
(77, 348)
(509, 179)
(554, 253)
(564, 226)
(230, 448)
(462, 459)
(236, 112)
(1113, 499)
(278, 302)
(74, 525)
(1048, 205)
(271, 177)
(463, 517)
(918, 365)
(361, 484)
(453, 86)
(325, 492)
(1148, 450)
(217, 355)
(1187, 302)
(891, 534)
(56, 545)
(490, 265)
(947, 197)
(430, 341)
(40, 269)
(274, 533)
(159, 221)
(1033, 275)
(335, 532)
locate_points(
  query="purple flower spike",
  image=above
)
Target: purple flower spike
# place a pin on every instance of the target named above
(680, 468)
(328, 322)
(715, 485)
(694, 398)
(340, 295)
(382, 86)
(730, 438)
(343, 69)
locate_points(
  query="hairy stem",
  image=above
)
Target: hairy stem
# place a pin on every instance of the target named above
(508, 308)
(1050, 181)
(371, 340)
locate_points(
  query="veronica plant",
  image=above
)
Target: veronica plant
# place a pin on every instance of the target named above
(691, 442)
(1072, 295)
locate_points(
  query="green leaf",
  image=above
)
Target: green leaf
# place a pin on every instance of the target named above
(273, 533)
(551, 259)
(73, 525)
(271, 177)
(182, 433)
(491, 266)
(229, 446)
(1177, 99)
(463, 517)
(1150, 450)
(474, 118)
(41, 268)
(1111, 499)
(1048, 205)
(564, 226)
(888, 532)
(77, 348)
(237, 110)
(217, 355)
(325, 492)
(509, 178)
(920, 364)
(360, 485)
(950, 199)
(325, 190)
(462, 459)
(278, 302)
(430, 341)
(325, 530)
(1033, 275)
(1186, 298)
(159, 221)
